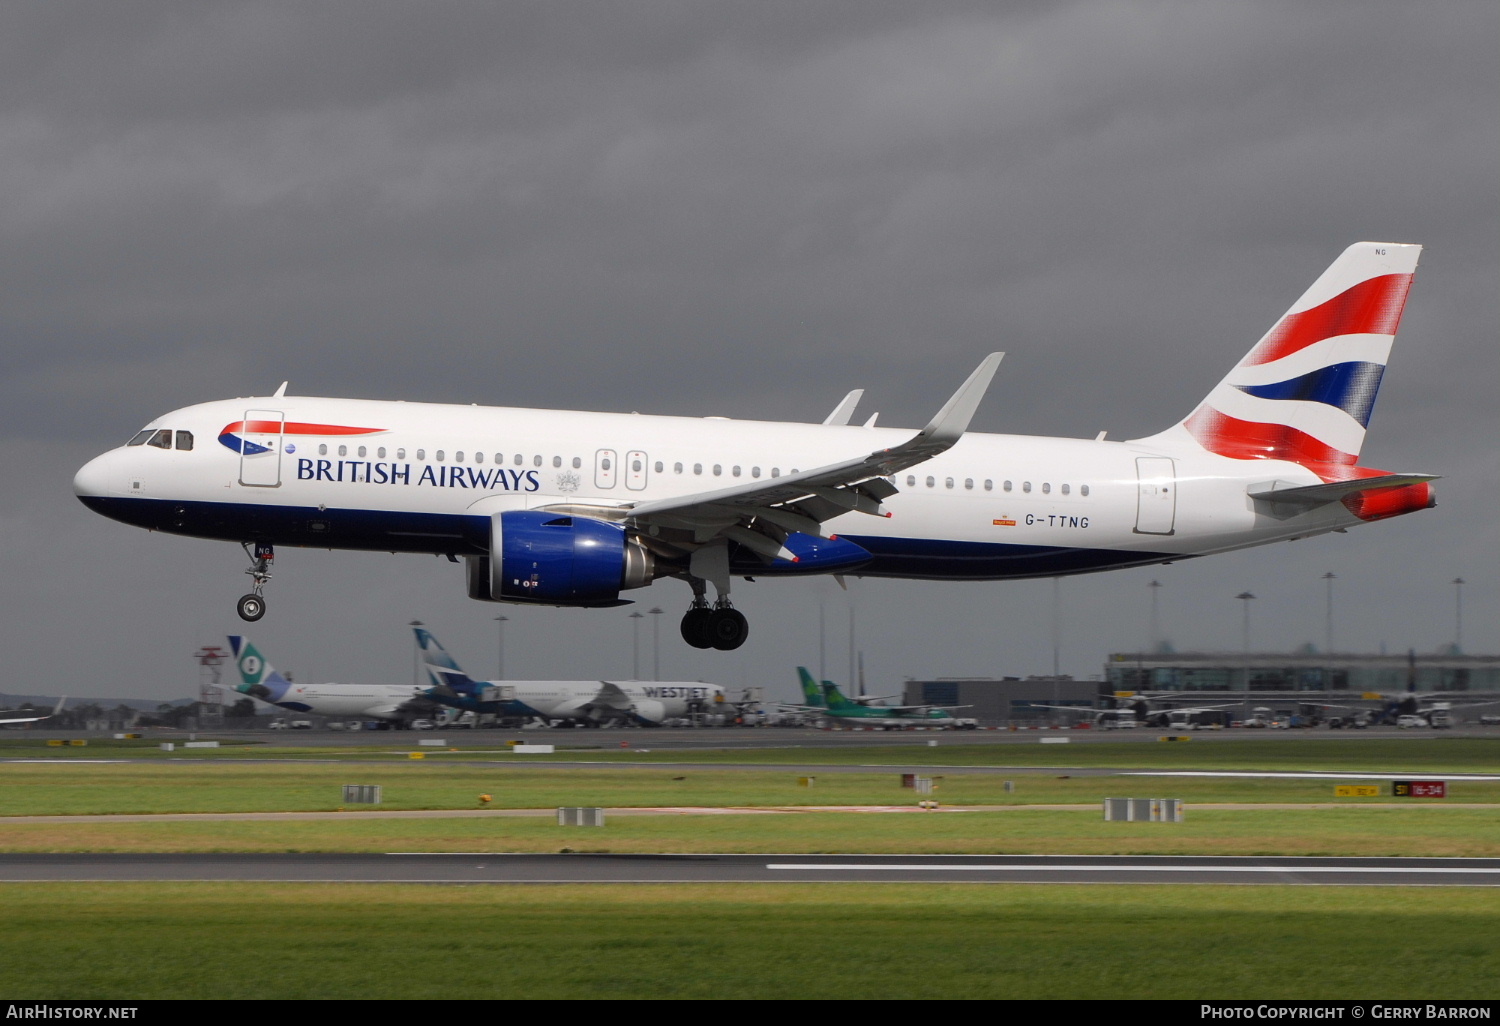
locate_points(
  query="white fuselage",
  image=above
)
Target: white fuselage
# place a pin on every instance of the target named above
(364, 701)
(427, 477)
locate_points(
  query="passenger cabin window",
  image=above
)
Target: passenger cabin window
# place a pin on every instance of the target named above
(1083, 489)
(380, 453)
(362, 452)
(755, 472)
(438, 455)
(697, 468)
(931, 482)
(140, 438)
(577, 462)
(718, 469)
(735, 471)
(162, 439)
(458, 457)
(1065, 489)
(969, 483)
(184, 440)
(1026, 487)
(1046, 488)
(400, 454)
(421, 454)
(659, 466)
(677, 468)
(536, 461)
(911, 480)
(479, 457)
(989, 485)
(1006, 486)
(557, 461)
(775, 471)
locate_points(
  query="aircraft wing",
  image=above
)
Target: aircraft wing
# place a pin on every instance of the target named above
(759, 513)
(36, 719)
(610, 698)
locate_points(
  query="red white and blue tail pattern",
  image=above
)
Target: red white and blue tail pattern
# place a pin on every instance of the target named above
(1305, 391)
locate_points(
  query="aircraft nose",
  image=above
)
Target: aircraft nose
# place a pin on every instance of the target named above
(93, 478)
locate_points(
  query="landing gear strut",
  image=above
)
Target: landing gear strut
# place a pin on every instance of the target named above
(721, 626)
(252, 607)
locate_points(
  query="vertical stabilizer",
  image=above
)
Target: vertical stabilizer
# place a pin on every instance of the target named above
(258, 678)
(1304, 392)
(440, 666)
(811, 694)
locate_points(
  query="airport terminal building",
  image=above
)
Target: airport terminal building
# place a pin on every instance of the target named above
(1301, 672)
(996, 702)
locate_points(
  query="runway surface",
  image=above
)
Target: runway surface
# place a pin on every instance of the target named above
(587, 868)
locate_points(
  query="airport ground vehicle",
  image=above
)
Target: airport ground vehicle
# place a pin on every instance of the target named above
(565, 508)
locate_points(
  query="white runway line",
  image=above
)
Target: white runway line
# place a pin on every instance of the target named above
(1028, 868)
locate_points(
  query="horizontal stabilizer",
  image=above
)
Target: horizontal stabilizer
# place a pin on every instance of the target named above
(1294, 499)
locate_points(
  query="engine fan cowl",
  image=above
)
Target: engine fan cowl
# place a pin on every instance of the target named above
(560, 560)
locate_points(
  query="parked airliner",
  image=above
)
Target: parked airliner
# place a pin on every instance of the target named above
(259, 680)
(644, 703)
(572, 509)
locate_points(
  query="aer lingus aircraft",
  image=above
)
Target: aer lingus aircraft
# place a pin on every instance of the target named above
(573, 509)
(828, 701)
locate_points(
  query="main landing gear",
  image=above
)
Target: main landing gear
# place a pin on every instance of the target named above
(721, 626)
(252, 607)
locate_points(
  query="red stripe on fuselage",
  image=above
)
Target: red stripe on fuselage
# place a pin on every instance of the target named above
(1372, 307)
(292, 427)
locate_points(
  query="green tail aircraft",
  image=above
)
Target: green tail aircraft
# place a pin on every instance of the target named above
(833, 704)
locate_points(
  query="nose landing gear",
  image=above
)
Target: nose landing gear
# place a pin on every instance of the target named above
(252, 607)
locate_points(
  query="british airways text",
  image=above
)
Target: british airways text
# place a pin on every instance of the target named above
(440, 476)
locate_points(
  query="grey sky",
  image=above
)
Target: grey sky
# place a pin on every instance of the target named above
(741, 209)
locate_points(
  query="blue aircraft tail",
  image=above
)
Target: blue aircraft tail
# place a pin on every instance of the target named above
(441, 669)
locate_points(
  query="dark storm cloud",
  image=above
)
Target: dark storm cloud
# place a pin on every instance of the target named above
(739, 209)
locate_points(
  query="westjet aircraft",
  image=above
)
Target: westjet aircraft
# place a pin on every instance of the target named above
(645, 703)
(259, 680)
(572, 509)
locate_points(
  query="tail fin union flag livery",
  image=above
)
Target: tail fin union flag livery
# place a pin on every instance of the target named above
(564, 508)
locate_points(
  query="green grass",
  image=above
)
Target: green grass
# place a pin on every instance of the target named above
(153, 787)
(1332, 752)
(145, 941)
(1352, 832)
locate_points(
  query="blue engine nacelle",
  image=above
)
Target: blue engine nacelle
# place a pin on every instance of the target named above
(558, 560)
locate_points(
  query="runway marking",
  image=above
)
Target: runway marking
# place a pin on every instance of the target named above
(1420, 774)
(1029, 868)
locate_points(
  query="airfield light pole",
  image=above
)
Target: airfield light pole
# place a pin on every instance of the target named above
(1246, 598)
(500, 622)
(1458, 614)
(655, 642)
(1328, 631)
(1155, 587)
(1056, 633)
(635, 624)
(416, 654)
(822, 650)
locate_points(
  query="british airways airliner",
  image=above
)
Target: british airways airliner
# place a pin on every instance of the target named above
(572, 509)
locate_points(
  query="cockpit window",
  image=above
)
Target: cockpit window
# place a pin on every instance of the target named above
(161, 439)
(140, 439)
(184, 439)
